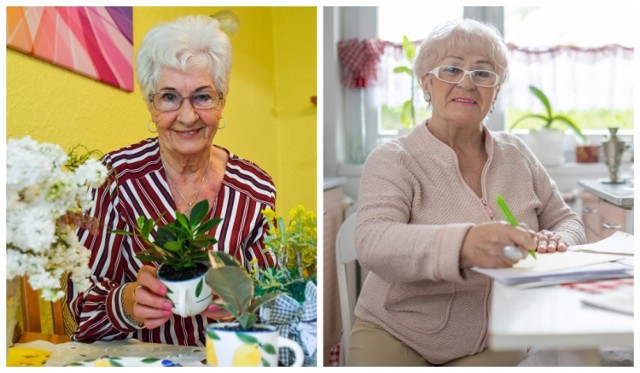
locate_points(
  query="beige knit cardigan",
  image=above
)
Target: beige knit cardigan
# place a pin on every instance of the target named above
(414, 210)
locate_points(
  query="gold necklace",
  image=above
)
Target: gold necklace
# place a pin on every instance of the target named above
(206, 170)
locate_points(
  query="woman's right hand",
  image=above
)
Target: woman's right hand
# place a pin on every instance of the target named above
(484, 244)
(145, 299)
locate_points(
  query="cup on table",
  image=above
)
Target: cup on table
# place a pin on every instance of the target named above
(227, 346)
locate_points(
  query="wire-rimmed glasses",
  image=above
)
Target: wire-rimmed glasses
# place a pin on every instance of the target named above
(454, 75)
(171, 100)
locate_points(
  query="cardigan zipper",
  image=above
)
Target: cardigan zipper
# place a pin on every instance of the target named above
(487, 209)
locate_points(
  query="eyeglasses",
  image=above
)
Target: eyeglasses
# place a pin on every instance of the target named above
(170, 100)
(454, 75)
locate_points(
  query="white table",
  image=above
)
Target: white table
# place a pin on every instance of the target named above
(554, 317)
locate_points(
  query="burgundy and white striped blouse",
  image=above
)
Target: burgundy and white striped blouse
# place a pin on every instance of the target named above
(139, 187)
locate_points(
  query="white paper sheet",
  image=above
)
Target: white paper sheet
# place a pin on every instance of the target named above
(617, 243)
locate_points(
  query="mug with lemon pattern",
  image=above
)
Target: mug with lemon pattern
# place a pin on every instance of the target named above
(228, 346)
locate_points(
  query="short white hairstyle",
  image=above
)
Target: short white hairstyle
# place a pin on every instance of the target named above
(467, 34)
(191, 42)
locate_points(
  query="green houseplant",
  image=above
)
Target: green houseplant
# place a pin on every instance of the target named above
(549, 117)
(180, 248)
(244, 342)
(234, 285)
(408, 114)
(547, 142)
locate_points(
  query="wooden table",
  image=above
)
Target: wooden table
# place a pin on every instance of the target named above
(53, 338)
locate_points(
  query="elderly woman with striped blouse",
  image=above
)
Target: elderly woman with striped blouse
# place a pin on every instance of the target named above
(183, 70)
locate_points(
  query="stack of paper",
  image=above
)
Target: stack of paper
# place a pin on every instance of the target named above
(549, 269)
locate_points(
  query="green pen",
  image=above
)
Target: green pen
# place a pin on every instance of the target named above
(508, 215)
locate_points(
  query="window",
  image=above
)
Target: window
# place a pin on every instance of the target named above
(589, 75)
(401, 89)
(593, 86)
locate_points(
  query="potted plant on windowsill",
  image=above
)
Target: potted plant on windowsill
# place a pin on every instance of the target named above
(547, 143)
(180, 248)
(244, 342)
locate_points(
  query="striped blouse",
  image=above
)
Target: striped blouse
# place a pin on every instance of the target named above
(139, 187)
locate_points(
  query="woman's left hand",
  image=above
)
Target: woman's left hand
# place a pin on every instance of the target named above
(549, 242)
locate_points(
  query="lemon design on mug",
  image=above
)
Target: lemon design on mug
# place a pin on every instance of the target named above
(212, 359)
(247, 356)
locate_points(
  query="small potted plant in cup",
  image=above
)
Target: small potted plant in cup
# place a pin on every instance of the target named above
(244, 342)
(180, 248)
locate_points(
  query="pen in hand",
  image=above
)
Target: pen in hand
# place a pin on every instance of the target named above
(510, 218)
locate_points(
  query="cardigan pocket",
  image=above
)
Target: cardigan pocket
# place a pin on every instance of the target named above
(423, 305)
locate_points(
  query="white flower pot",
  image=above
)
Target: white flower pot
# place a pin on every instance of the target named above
(548, 146)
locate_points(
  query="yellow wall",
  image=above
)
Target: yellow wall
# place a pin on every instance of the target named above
(270, 118)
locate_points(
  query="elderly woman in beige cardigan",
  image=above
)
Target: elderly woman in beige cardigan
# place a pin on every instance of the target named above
(427, 213)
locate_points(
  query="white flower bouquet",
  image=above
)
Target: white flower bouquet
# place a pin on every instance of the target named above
(47, 192)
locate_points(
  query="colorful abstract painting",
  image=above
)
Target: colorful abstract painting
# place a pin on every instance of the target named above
(93, 41)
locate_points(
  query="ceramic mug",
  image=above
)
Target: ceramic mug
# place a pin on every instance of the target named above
(188, 297)
(229, 347)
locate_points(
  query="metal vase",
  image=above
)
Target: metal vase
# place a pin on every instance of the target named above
(613, 149)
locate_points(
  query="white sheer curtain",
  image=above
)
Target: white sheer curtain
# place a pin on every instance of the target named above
(576, 78)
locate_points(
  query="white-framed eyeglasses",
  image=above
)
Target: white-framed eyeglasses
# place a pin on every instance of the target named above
(454, 75)
(171, 100)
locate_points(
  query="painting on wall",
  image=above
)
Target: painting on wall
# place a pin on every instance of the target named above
(94, 41)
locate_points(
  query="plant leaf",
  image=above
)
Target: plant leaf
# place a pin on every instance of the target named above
(233, 285)
(175, 246)
(263, 300)
(403, 69)
(226, 259)
(543, 98)
(405, 116)
(572, 124)
(208, 225)
(198, 212)
(180, 218)
(409, 48)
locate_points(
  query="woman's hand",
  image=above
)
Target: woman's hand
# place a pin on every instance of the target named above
(549, 242)
(216, 312)
(145, 299)
(484, 244)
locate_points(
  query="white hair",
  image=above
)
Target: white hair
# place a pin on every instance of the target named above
(465, 34)
(191, 42)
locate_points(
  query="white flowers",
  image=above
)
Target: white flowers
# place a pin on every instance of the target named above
(39, 192)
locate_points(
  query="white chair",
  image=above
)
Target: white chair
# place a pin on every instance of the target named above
(345, 254)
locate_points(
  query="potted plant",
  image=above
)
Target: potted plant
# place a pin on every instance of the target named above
(244, 342)
(408, 114)
(547, 143)
(295, 313)
(180, 248)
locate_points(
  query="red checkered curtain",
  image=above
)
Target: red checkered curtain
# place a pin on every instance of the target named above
(359, 60)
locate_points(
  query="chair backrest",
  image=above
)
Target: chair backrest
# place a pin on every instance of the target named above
(31, 315)
(345, 254)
